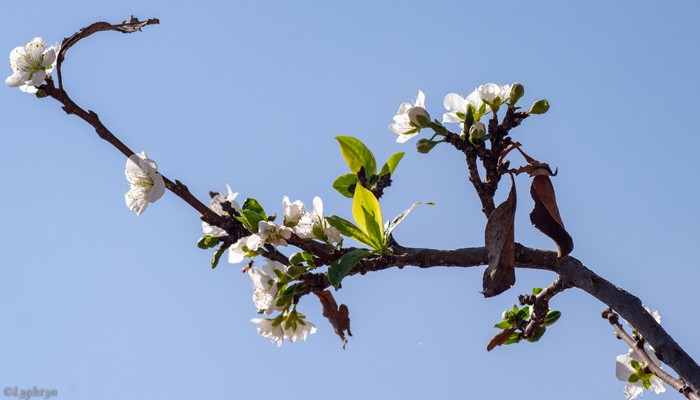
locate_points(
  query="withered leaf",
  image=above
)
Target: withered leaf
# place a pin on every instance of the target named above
(545, 215)
(339, 317)
(499, 339)
(499, 276)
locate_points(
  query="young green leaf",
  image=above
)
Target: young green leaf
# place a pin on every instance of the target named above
(340, 267)
(390, 165)
(552, 317)
(391, 225)
(342, 184)
(367, 214)
(349, 229)
(357, 155)
(217, 257)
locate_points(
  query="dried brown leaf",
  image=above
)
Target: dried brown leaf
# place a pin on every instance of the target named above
(545, 215)
(499, 276)
(339, 317)
(499, 339)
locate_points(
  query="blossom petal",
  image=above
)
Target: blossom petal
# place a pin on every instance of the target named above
(158, 188)
(14, 80)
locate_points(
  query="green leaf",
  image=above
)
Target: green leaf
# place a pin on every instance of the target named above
(374, 231)
(207, 242)
(536, 290)
(357, 155)
(340, 267)
(646, 382)
(391, 225)
(217, 257)
(524, 313)
(633, 378)
(552, 317)
(504, 325)
(253, 205)
(349, 229)
(296, 258)
(390, 164)
(342, 184)
(367, 214)
(514, 338)
(538, 334)
(635, 364)
(251, 220)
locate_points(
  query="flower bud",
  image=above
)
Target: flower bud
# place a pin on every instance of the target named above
(477, 131)
(419, 117)
(540, 107)
(425, 145)
(517, 90)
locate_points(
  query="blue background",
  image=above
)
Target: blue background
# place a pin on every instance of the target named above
(100, 303)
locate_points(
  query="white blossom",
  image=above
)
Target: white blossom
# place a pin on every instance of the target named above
(274, 234)
(297, 327)
(31, 64)
(147, 185)
(457, 107)
(406, 122)
(494, 94)
(293, 211)
(265, 287)
(314, 226)
(624, 370)
(271, 329)
(244, 247)
(216, 206)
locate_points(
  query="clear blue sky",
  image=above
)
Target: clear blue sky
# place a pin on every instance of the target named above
(100, 303)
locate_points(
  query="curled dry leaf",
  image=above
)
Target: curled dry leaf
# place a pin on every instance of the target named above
(500, 338)
(499, 276)
(545, 215)
(339, 317)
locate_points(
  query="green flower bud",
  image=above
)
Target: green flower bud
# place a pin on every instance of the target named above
(425, 145)
(40, 94)
(477, 133)
(517, 90)
(540, 107)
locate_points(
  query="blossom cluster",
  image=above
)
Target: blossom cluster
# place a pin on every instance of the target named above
(487, 98)
(289, 324)
(297, 220)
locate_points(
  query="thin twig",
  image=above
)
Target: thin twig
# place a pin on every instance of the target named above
(638, 347)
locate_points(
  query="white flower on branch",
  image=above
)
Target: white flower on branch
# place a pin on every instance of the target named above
(458, 106)
(293, 212)
(628, 367)
(217, 206)
(274, 234)
(265, 287)
(494, 94)
(314, 226)
(147, 185)
(270, 328)
(410, 118)
(297, 327)
(291, 326)
(245, 247)
(31, 64)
